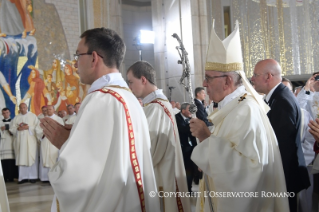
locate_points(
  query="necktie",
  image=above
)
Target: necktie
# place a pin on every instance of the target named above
(187, 120)
(265, 101)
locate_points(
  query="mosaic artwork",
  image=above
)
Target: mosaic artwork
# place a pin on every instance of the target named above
(22, 79)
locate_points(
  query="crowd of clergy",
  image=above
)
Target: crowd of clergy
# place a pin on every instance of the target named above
(26, 154)
(126, 147)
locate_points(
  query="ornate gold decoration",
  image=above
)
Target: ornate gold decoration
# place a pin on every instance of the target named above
(223, 67)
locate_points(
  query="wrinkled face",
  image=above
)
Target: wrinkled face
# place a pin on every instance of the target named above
(50, 110)
(23, 108)
(6, 114)
(83, 64)
(186, 112)
(135, 85)
(77, 108)
(214, 86)
(70, 110)
(60, 114)
(45, 111)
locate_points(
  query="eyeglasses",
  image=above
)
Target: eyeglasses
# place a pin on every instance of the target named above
(207, 78)
(76, 56)
(256, 75)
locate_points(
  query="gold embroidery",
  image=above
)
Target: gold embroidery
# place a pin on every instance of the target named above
(136, 169)
(139, 182)
(133, 156)
(132, 142)
(134, 162)
(117, 86)
(209, 66)
(138, 176)
(105, 89)
(131, 134)
(133, 149)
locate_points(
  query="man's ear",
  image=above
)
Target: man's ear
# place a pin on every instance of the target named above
(95, 58)
(144, 80)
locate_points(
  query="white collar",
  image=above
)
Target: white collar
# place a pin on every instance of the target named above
(271, 92)
(154, 95)
(239, 91)
(51, 116)
(108, 79)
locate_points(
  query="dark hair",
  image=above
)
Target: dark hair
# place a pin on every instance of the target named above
(107, 43)
(78, 103)
(287, 80)
(197, 90)
(143, 68)
(315, 73)
(4, 109)
(44, 106)
(70, 105)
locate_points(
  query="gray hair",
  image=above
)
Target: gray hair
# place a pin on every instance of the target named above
(184, 106)
(235, 77)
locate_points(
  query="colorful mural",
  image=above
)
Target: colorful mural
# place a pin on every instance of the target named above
(21, 79)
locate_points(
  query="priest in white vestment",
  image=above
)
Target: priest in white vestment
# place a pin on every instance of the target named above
(72, 118)
(71, 113)
(241, 155)
(48, 152)
(24, 128)
(165, 144)
(6, 147)
(4, 203)
(104, 164)
(44, 112)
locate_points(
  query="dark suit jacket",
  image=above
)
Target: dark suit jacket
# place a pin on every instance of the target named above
(184, 134)
(285, 118)
(201, 112)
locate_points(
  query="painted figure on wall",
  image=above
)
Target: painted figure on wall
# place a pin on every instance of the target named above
(37, 92)
(6, 88)
(72, 81)
(55, 71)
(15, 18)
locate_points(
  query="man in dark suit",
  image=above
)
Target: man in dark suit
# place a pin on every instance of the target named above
(201, 113)
(188, 142)
(285, 118)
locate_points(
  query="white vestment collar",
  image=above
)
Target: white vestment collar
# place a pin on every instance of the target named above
(158, 94)
(52, 117)
(108, 79)
(239, 91)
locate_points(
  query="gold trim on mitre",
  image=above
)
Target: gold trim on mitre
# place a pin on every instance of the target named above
(209, 66)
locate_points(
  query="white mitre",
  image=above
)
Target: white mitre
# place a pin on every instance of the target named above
(226, 56)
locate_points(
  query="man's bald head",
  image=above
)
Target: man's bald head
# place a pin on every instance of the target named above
(270, 66)
(267, 74)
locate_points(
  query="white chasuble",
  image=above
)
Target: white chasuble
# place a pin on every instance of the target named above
(241, 156)
(166, 153)
(25, 141)
(4, 204)
(6, 142)
(104, 161)
(71, 119)
(49, 152)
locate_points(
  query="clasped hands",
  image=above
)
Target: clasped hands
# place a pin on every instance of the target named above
(56, 133)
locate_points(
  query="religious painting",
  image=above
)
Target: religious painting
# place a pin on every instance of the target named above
(35, 65)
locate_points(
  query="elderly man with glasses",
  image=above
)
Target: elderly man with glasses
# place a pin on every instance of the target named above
(240, 156)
